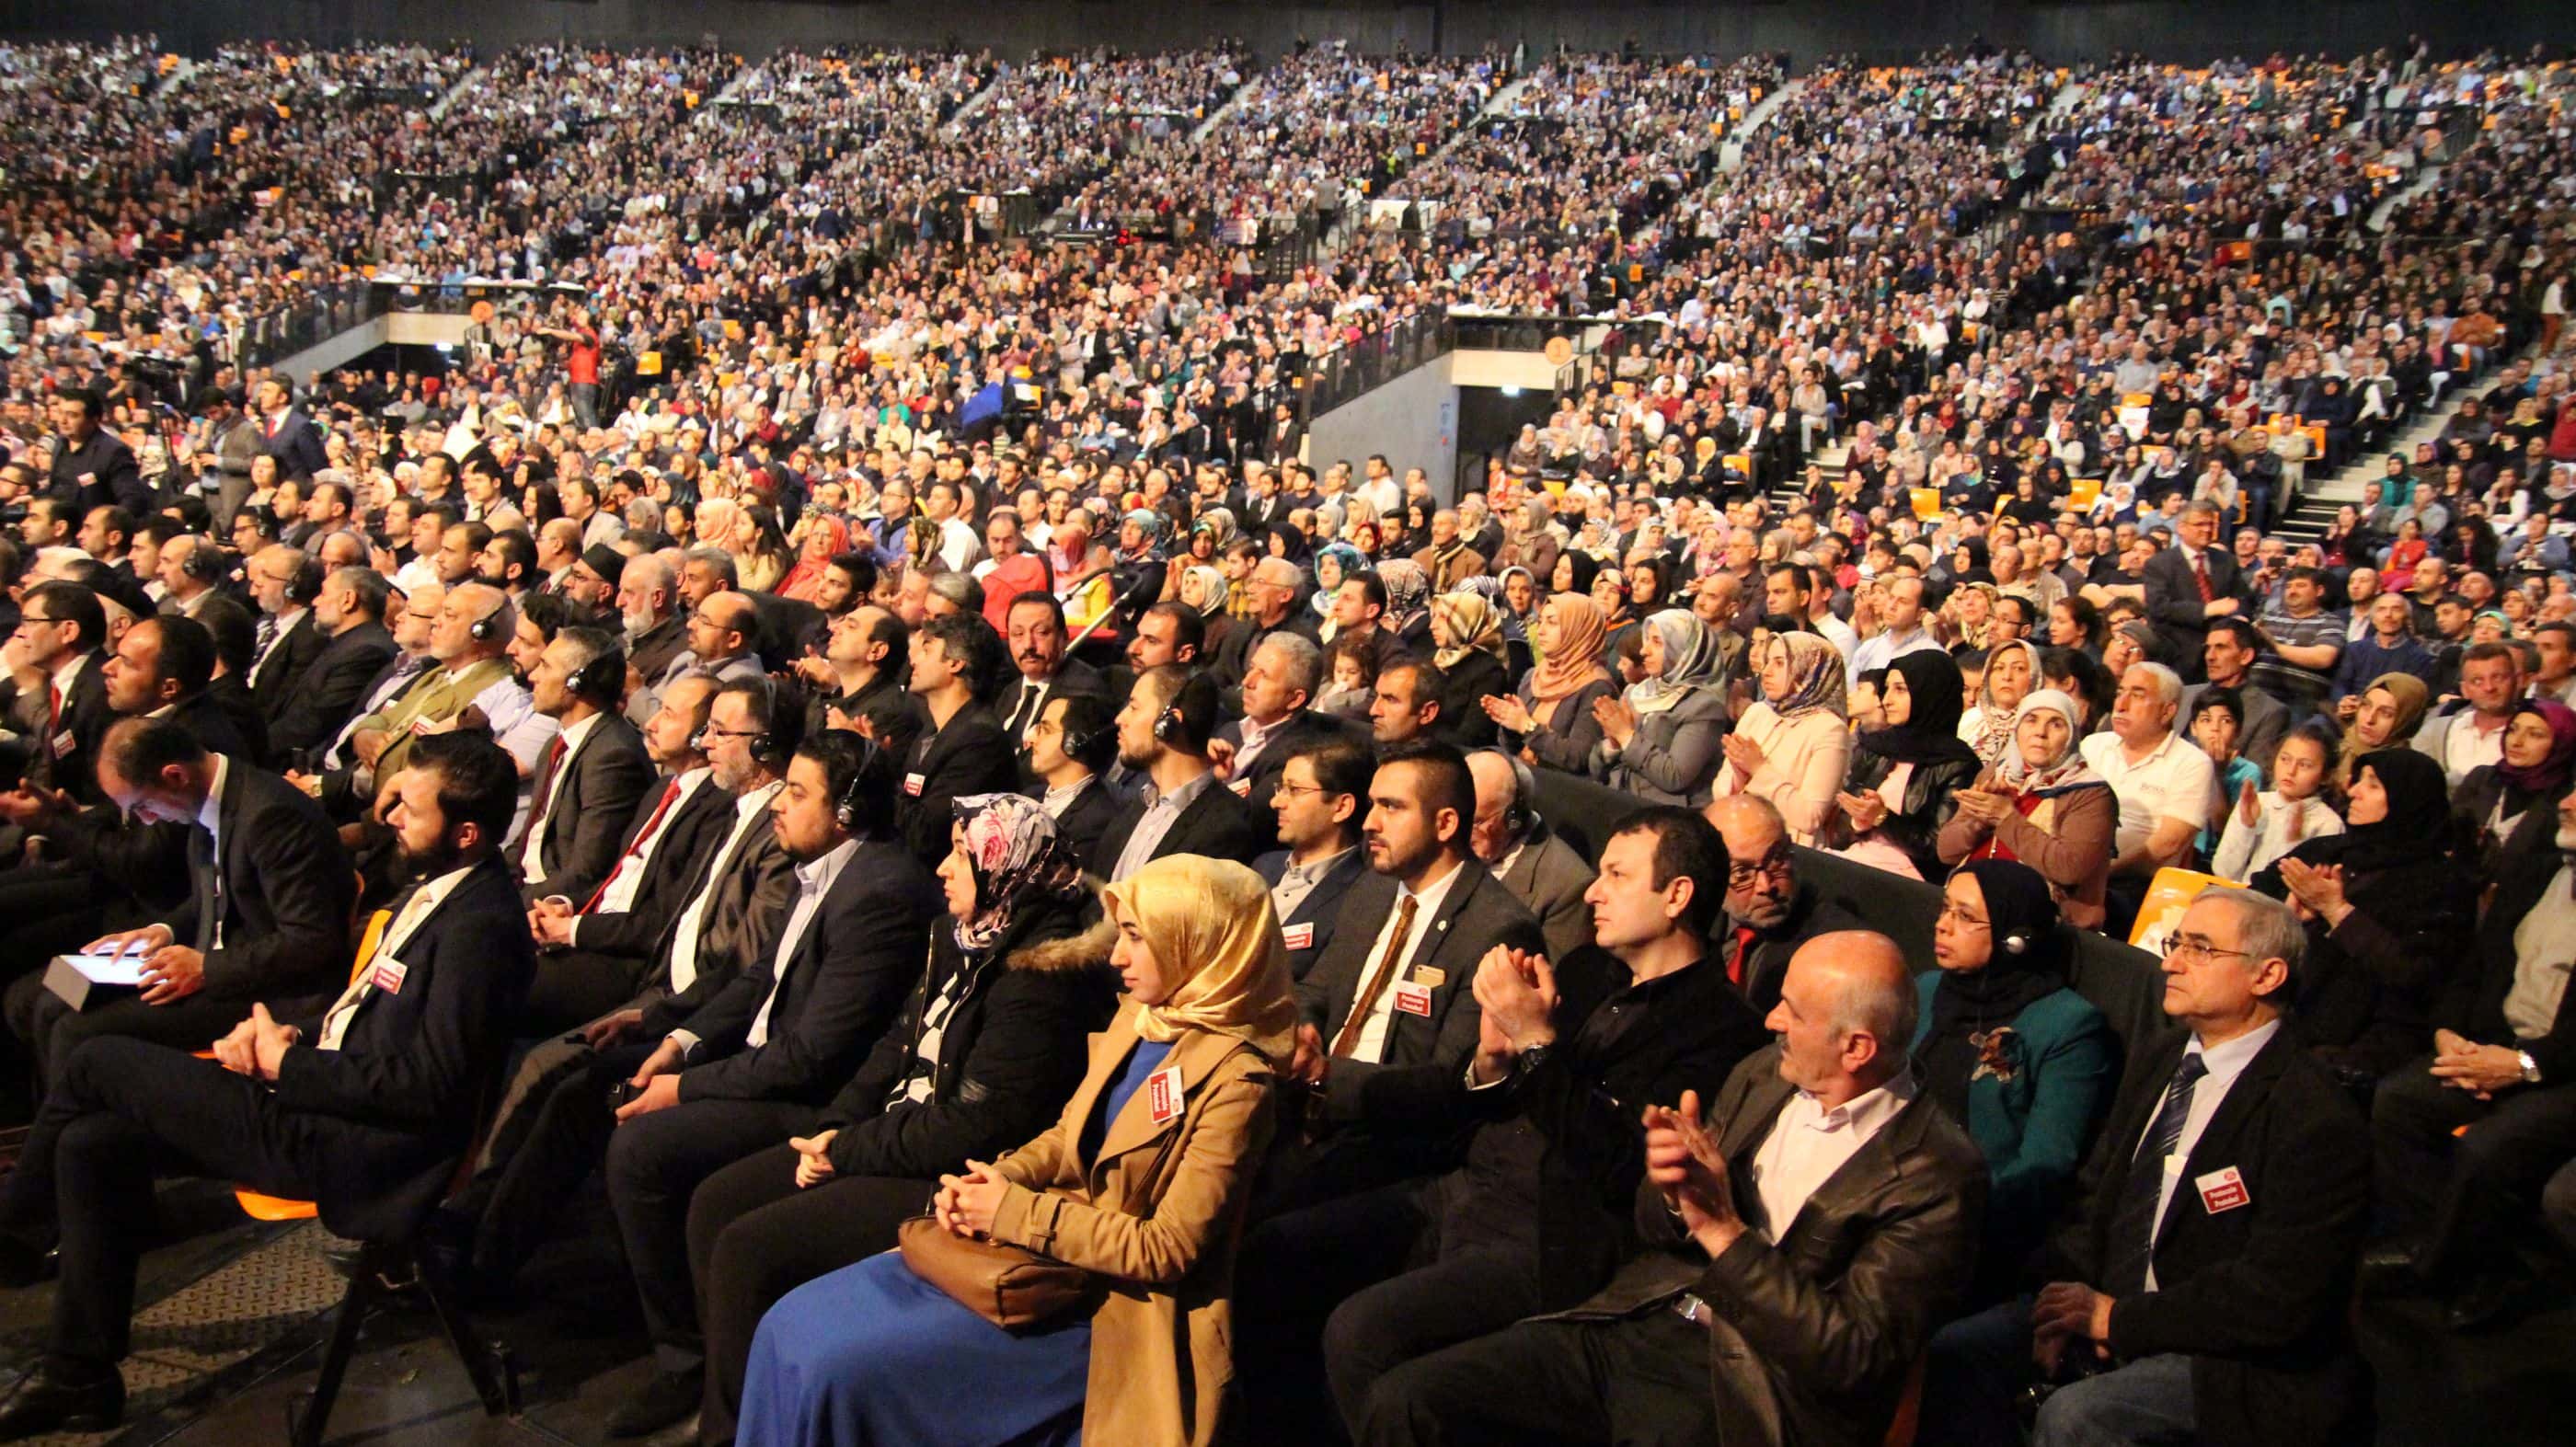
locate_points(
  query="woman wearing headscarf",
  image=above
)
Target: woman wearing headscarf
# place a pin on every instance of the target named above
(2044, 806)
(2012, 671)
(2385, 903)
(1334, 562)
(1793, 747)
(1408, 603)
(2390, 711)
(1208, 590)
(1663, 741)
(1142, 1186)
(1550, 719)
(825, 538)
(2510, 808)
(1530, 540)
(987, 1053)
(1467, 644)
(2011, 1053)
(1904, 774)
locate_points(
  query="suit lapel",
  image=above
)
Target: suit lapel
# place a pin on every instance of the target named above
(1197, 1054)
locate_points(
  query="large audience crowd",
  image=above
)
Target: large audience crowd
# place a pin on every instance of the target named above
(1039, 896)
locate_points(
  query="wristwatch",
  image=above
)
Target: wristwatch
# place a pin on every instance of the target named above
(1536, 1056)
(2530, 1067)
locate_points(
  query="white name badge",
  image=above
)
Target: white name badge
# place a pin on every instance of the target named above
(2222, 1191)
(1299, 936)
(388, 974)
(912, 784)
(1413, 999)
(1163, 1094)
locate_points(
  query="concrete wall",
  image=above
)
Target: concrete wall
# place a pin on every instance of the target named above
(1877, 29)
(1413, 420)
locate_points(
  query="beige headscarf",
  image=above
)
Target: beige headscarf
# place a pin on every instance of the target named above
(1210, 924)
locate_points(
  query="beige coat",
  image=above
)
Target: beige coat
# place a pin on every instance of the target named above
(1160, 1221)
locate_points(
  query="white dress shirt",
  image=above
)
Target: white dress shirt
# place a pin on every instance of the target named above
(750, 812)
(286, 623)
(533, 848)
(210, 819)
(813, 881)
(1371, 1044)
(2224, 1063)
(389, 948)
(626, 877)
(1808, 1143)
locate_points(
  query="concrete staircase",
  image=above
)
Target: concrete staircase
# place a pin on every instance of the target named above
(1730, 154)
(1217, 117)
(439, 108)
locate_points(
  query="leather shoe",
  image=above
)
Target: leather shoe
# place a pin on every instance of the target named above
(667, 1398)
(2394, 1269)
(45, 1402)
(2490, 1300)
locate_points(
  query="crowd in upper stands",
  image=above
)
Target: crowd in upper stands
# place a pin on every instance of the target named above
(834, 640)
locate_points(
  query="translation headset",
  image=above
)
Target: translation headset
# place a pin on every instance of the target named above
(2016, 944)
(1191, 716)
(482, 629)
(600, 677)
(846, 811)
(205, 562)
(303, 586)
(1079, 742)
(1519, 816)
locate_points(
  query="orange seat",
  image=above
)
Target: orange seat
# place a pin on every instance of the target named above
(262, 1207)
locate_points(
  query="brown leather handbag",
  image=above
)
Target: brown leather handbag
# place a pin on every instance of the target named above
(1012, 1287)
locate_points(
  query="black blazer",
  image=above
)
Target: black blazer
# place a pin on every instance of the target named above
(860, 956)
(1463, 720)
(697, 826)
(287, 893)
(1095, 807)
(969, 756)
(69, 760)
(337, 680)
(397, 1103)
(2174, 606)
(1310, 926)
(1216, 824)
(296, 444)
(749, 888)
(1423, 1053)
(273, 686)
(1305, 729)
(204, 715)
(2255, 1295)
(595, 789)
(2474, 1004)
(1766, 960)
(650, 652)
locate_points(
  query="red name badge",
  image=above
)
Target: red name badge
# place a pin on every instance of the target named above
(1413, 999)
(388, 976)
(1163, 1093)
(2222, 1191)
(1242, 788)
(912, 785)
(1299, 936)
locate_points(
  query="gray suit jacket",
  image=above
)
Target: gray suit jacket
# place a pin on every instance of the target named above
(1550, 878)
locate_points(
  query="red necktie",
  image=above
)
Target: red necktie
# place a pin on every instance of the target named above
(643, 836)
(1735, 962)
(53, 712)
(545, 784)
(2200, 576)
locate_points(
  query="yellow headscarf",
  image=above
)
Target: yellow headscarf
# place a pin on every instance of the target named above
(1211, 927)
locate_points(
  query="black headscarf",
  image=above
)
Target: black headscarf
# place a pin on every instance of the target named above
(1586, 567)
(1294, 545)
(1968, 1004)
(2416, 831)
(1930, 733)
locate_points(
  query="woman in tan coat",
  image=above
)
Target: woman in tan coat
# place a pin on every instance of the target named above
(1141, 1182)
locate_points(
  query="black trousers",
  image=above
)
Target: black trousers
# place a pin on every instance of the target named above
(575, 987)
(123, 1112)
(754, 1237)
(1294, 1270)
(655, 1163)
(52, 1030)
(550, 1133)
(1639, 1381)
(2472, 1196)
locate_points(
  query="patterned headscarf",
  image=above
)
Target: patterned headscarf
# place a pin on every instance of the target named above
(1474, 625)
(1214, 589)
(2069, 770)
(1691, 660)
(1012, 846)
(1995, 723)
(1575, 663)
(1815, 676)
(1408, 589)
(1153, 524)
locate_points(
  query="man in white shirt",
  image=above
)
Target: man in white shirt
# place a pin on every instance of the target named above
(2166, 786)
(2208, 1280)
(1900, 630)
(2491, 679)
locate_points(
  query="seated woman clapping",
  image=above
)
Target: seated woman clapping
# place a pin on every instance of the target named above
(2044, 806)
(1140, 1183)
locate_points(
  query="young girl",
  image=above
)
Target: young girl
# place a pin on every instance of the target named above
(2264, 826)
(1354, 661)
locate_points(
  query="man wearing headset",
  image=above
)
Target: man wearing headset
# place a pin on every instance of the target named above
(591, 776)
(758, 1064)
(1163, 735)
(1072, 743)
(284, 583)
(475, 623)
(1541, 870)
(191, 566)
(349, 613)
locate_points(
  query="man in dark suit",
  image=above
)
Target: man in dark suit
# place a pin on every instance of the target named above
(648, 601)
(92, 467)
(592, 774)
(761, 1060)
(1798, 1246)
(595, 951)
(1321, 795)
(1275, 586)
(1770, 912)
(284, 583)
(362, 1107)
(63, 627)
(1541, 870)
(1163, 735)
(2187, 585)
(286, 433)
(1043, 672)
(1388, 1018)
(1072, 744)
(2208, 1274)
(1278, 681)
(349, 615)
(554, 1122)
(955, 662)
(1534, 1219)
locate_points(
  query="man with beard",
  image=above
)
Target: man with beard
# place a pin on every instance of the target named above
(363, 1107)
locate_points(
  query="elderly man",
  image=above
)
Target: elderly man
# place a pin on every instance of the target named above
(1800, 1241)
(1274, 586)
(2207, 1277)
(1279, 680)
(1769, 911)
(2191, 583)
(1541, 870)
(1449, 560)
(2165, 785)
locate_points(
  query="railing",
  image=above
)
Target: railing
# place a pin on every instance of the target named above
(1360, 367)
(310, 320)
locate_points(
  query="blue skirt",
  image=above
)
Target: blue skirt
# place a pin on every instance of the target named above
(873, 1356)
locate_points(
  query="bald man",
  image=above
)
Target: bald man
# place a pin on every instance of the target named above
(1769, 910)
(1806, 1233)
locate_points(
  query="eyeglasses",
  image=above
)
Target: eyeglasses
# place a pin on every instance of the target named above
(712, 732)
(2194, 950)
(1295, 789)
(1952, 914)
(26, 619)
(1774, 865)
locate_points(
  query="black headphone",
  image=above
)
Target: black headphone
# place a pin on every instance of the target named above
(1522, 816)
(845, 811)
(1190, 719)
(1079, 742)
(205, 561)
(585, 682)
(306, 583)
